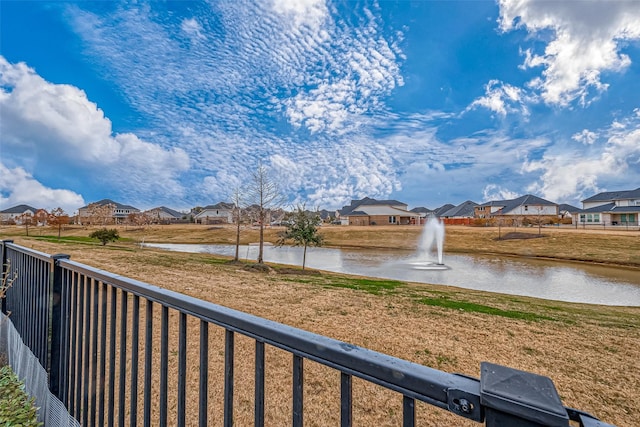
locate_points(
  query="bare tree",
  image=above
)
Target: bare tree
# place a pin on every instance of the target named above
(140, 219)
(100, 214)
(26, 219)
(58, 217)
(265, 192)
(236, 199)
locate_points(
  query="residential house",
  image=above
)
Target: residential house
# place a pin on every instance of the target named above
(369, 211)
(611, 208)
(117, 215)
(422, 210)
(164, 215)
(16, 214)
(566, 213)
(442, 209)
(463, 214)
(41, 217)
(220, 213)
(527, 207)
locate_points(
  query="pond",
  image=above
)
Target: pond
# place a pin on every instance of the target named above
(553, 280)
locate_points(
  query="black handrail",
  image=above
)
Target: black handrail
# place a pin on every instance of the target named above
(78, 334)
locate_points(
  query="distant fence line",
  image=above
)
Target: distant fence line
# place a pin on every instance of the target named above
(96, 333)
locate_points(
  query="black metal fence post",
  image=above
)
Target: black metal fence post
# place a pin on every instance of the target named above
(57, 366)
(4, 271)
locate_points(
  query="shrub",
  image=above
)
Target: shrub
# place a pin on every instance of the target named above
(16, 408)
(105, 236)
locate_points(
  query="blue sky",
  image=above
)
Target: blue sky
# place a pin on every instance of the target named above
(427, 102)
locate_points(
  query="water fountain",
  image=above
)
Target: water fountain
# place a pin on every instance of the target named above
(432, 235)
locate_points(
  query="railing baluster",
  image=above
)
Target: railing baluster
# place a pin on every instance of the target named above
(408, 412)
(46, 309)
(63, 368)
(298, 391)
(148, 351)
(135, 333)
(31, 308)
(81, 311)
(74, 337)
(346, 411)
(123, 357)
(103, 352)
(94, 355)
(113, 300)
(259, 392)
(228, 377)
(203, 392)
(182, 368)
(87, 349)
(164, 364)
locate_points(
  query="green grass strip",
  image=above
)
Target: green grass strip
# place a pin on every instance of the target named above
(375, 287)
(484, 309)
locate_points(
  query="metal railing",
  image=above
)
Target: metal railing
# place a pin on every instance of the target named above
(87, 327)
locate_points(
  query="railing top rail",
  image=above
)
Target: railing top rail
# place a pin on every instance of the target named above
(411, 379)
(32, 252)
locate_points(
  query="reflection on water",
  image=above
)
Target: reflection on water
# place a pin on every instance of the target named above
(529, 277)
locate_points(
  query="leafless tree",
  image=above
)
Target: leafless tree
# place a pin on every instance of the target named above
(58, 217)
(236, 199)
(140, 219)
(100, 214)
(26, 219)
(264, 192)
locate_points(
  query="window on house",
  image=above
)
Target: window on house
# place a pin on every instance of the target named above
(596, 217)
(392, 220)
(589, 218)
(526, 208)
(623, 218)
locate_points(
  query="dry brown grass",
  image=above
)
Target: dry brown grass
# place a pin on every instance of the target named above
(590, 352)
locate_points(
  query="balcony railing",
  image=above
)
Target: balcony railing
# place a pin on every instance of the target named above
(107, 343)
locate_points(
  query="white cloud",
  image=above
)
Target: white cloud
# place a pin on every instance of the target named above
(586, 40)
(311, 13)
(575, 174)
(585, 136)
(288, 65)
(17, 187)
(502, 98)
(55, 126)
(496, 192)
(192, 28)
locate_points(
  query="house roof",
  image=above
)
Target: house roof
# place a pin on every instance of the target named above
(443, 208)
(167, 210)
(568, 208)
(421, 209)
(464, 209)
(611, 208)
(110, 202)
(493, 203)
(19, 209)
(219, 205)
(527, 199)
(367, 201)
(614, 195)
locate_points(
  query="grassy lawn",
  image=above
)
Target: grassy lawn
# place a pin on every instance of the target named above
(589, 351)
